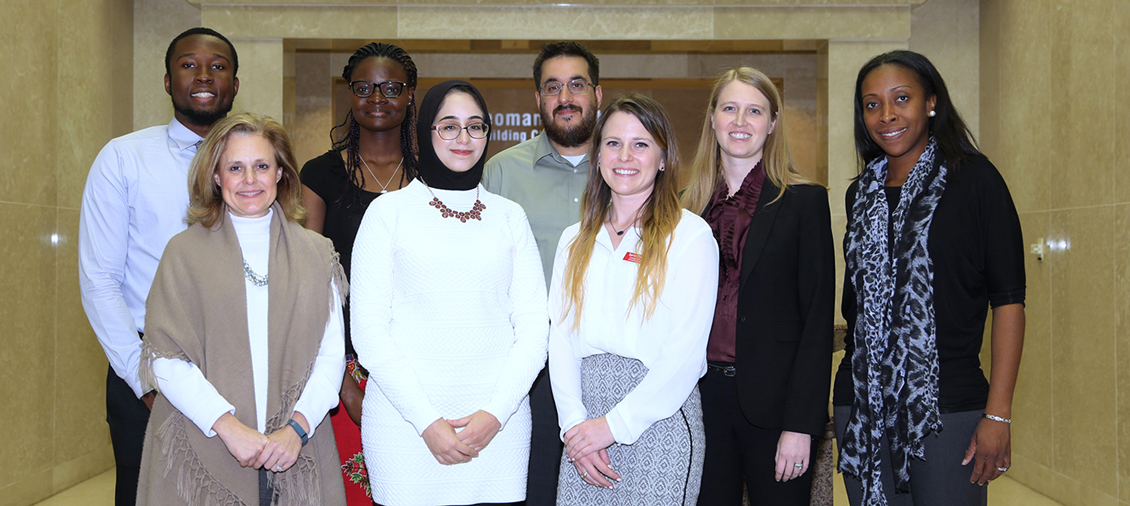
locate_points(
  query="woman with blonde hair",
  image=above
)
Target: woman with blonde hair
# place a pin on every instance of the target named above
(765, 395)
(243, 335)
(630, 303)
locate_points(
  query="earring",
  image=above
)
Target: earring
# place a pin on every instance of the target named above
(663, 168)
(932, 114)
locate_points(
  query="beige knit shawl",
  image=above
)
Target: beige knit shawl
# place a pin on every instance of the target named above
(197, 311)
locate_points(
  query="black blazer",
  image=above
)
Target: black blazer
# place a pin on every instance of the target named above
(785, 311)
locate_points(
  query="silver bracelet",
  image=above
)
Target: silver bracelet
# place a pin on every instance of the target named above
(996, 418)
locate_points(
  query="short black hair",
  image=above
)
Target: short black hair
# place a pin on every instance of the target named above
(200, 30)
(556, 49)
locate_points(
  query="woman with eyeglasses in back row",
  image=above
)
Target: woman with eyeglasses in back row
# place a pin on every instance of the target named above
(449, 318)
(374, 155)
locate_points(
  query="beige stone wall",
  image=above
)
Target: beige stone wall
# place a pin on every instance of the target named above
(67, 92)
(1054, 120)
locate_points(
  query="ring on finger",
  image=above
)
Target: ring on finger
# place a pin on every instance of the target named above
(584, 475)
(798, 465)
(1002, 469)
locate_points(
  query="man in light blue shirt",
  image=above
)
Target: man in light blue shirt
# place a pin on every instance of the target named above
(546, 175)
(135, 200)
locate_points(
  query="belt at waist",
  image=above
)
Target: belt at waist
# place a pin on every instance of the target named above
(726, 368)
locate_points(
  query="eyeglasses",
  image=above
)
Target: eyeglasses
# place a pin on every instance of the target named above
(365, 89)
(577, 87)
(451, 131)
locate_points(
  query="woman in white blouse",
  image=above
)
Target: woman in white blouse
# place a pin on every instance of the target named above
(449, 318)
(244, 336)
(631, 303)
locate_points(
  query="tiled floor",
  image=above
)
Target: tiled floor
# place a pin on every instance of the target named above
(99, 491)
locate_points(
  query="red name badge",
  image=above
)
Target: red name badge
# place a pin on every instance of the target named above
(632, 257)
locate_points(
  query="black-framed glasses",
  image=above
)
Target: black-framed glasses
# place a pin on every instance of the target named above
(451, 131)
(577, 87)
(365, 89)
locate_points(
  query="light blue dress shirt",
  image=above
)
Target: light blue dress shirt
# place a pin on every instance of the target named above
(135, 200)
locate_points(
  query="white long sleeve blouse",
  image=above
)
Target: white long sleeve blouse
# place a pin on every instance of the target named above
(672, 343)
(193, 395)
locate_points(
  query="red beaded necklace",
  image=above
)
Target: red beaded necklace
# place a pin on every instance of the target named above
(447, 212)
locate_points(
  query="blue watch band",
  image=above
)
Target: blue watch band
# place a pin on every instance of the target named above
(298, 428)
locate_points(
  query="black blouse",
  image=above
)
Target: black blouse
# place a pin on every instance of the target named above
(327, 177)
(977, 251)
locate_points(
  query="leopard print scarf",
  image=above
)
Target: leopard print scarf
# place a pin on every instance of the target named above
(895, 361)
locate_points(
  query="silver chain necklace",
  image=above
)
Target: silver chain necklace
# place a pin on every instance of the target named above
(255, 279)
(384, 187)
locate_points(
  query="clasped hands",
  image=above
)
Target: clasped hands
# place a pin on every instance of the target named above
(586, 446)
(276, 452)
(450, 447)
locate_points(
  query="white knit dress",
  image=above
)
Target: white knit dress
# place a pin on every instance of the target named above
(449, 318)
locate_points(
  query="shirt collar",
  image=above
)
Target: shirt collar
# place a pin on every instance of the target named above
(181, 136)
(544, 149)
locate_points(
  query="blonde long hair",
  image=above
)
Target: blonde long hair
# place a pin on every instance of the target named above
(706, 171)
(205, 199)
(659, 217)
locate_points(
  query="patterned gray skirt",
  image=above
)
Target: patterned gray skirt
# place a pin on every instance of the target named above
(663, 467)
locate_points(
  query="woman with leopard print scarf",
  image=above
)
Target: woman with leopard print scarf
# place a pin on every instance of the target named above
(933, 240)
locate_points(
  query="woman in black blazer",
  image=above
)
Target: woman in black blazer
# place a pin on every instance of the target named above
(765, 392)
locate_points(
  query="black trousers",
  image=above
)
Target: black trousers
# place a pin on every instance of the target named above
(940, 480)
(738, 451)
(545, 444)
(127, 416)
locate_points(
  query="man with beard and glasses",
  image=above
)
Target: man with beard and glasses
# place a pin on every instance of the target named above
(135, 200)
(546, 175)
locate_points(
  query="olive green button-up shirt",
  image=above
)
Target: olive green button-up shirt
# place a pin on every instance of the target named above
(545, 184)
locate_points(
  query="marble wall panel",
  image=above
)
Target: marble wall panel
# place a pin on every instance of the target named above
(1032, 434)
(1122, 343)
(87, 123)
(80, 396)
(73, 61)
(1082, 94)
(989, 59)
(29, 99)
(564, 22)
(1121, 106)
(1083, 363)
(802, 23)
(329, 21)
(27, 365)
(1026, 155)
(260, 77)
